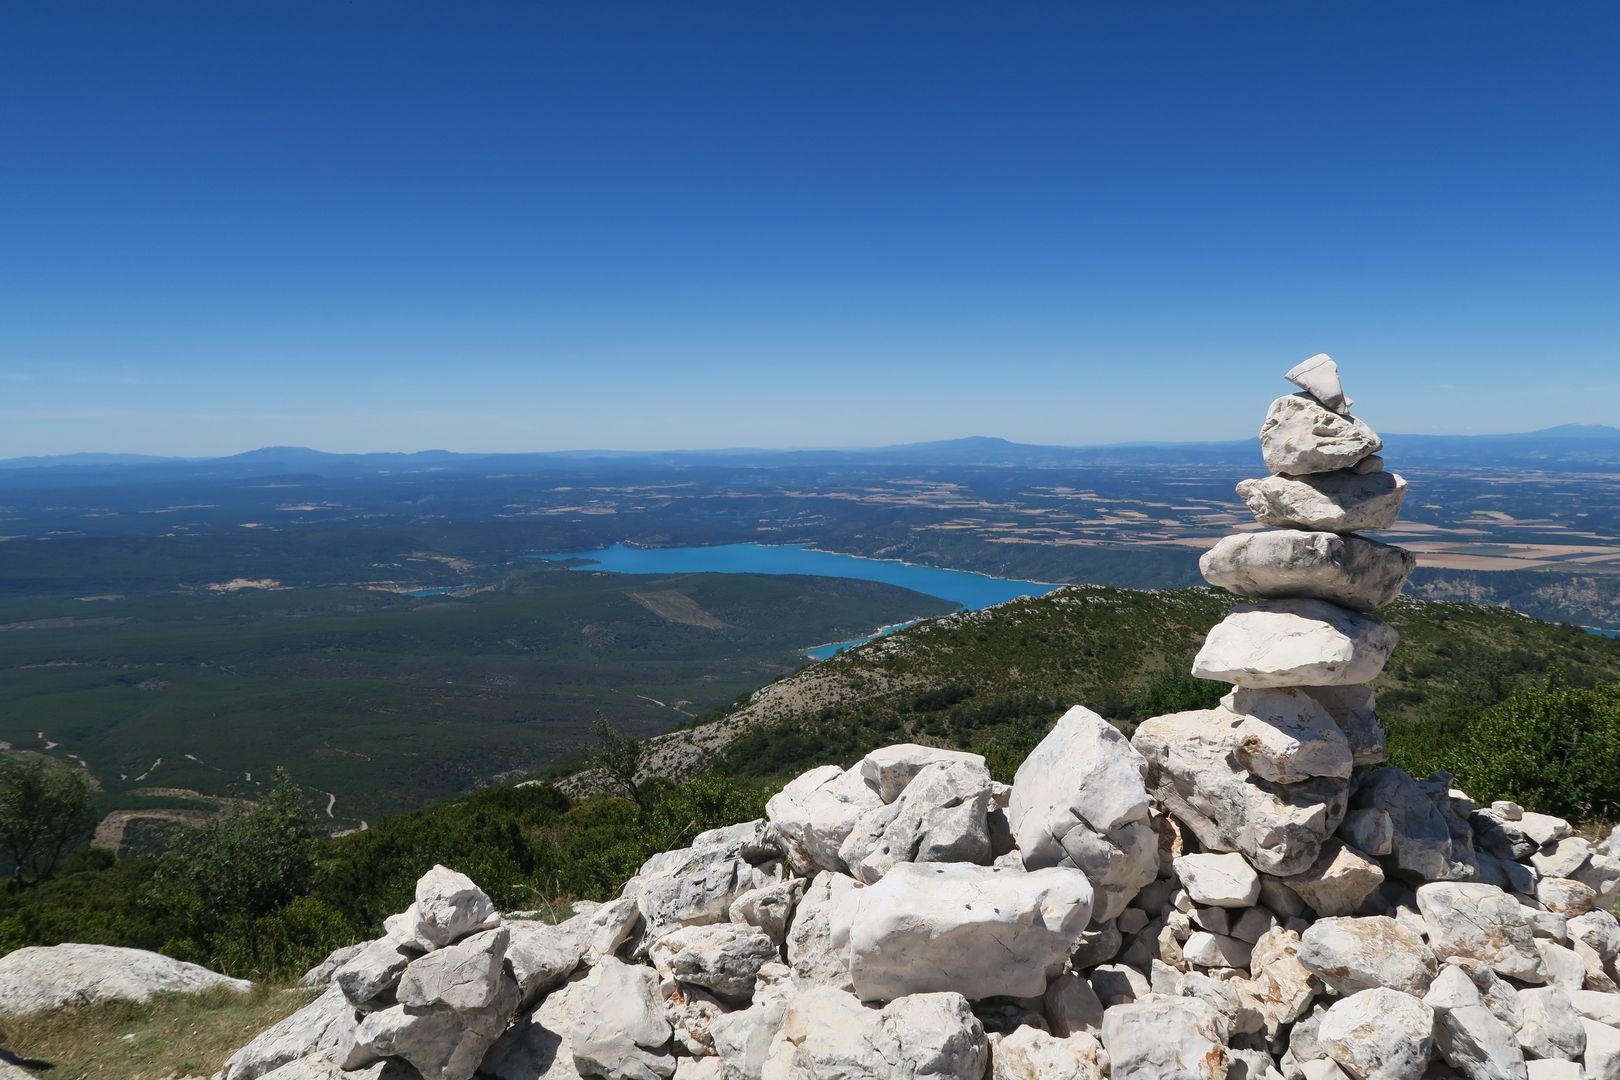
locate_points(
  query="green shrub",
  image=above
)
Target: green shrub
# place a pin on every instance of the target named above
(1553, 748)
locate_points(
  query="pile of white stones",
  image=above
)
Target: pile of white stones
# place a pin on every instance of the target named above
(1236, 893)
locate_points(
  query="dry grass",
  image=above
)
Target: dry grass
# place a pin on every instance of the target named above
(172, 1035)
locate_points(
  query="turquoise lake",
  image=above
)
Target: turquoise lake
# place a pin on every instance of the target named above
(965, 588)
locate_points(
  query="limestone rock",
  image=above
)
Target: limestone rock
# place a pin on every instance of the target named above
(1285, 643)
(449, 907)
(978, 931)
(1481, 922)
(1379, 1034)
(1071, 1006)
(742, 1039)
(941, 816)
(1339, 502)
(1370, 830)
(39, 978)
(537, 1045)
(1192, 771)
(1078, 800)
(1165, 1038)
(1286, 736)
(466, 975)
(542, 957)
(768, 908)
(1340, 880)
(1031, 1054)
(1551, 1027)
(1318, 376)
(1301, 435)
(619, 1028)
(1468, 1036)
(1355, 710)
(887, 771)
(1421, 840)
(810, 951)
(442, 1041)
(814, 814)
(696, 891)
(828, 1035)
(724, 958)
(1281, 989)
(320, 976)
(1602, 1050)
(1225, 881)
(1350, 571)
(1354, 954)
(318, 1027)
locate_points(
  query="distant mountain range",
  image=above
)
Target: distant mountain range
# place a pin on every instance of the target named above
(1578, 447)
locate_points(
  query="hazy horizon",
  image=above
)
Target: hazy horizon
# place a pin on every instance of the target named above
(718, 225)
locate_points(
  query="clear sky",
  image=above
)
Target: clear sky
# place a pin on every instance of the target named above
(368, 225)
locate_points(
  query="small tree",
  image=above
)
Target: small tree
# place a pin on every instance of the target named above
(44, 807)
(242, 866)
(619, 756)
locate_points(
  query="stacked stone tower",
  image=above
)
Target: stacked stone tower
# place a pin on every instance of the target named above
(1267, 774)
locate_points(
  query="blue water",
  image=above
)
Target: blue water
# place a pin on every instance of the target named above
(969, 590)
(1600, 632)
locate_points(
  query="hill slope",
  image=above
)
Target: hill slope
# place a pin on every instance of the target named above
(994, 680)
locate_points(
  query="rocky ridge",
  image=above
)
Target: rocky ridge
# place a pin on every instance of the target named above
(1233, 894)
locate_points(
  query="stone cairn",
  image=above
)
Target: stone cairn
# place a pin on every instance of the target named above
(1238, 893)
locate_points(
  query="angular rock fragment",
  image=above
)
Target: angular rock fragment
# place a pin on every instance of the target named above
(723, 958)
(1165, 1038)
(1339, 882)
(1286, 736)
(1354, 954)
(619, 1027)
(1219, 880)
(1078, 800)
(1379, 1034)
(1339, 502)
(1300, 435)
(1348, 570)
(974, 930)
(1286, 643)
(1468, 1036)
(941, 816)
(449, 907)
(1318, 376)
(887, 771)
(815, 813)
(825, 1033)
(1481, 922)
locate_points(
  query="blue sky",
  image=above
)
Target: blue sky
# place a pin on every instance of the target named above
(510, 226)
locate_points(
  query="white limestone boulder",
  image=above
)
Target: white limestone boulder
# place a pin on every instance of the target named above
(318, 1027)
(537, 1045)
(619, 1029)
(942, 815)
(1029, 1053)
(373, 971)
(1350, 571)
(1318, 376)
(1339, 881)
(1353, 954)
(973, 930)
(1194, 774)
(1285, 735)
(1379, 1034)
(1355, 710)
(1079, 800)
(1301, 435)
(1481, 922)
(810, 950)
(1284, 643)
(1467, 1035)
(724, 958)
(768, 908)
(888, 770)
(467, 975)
(1550, 1026)
(1338, 502)
(1225, 881)
(39, 978)
(442, 1041)
(1165, 1038)
(1421, 841)
(449, 907)
(742, 1038)
(828, 1035)
(542, 956)
(816, 812)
